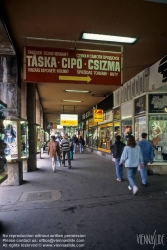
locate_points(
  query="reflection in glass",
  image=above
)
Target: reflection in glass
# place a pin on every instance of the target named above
(126, 130)
(92, 137)
(38, 139)
(105, 136)
(24, 139)
(140, 127)
(158, 136)
(10, 138)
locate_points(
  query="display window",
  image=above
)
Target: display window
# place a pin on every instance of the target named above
(10, 139)
(117, 131)
(24, 139)
(158, 136)
(140, 127)
(126, 130)
(46, 136)
(42, 138)
(92, 137)
(105, 133)
(38, 139)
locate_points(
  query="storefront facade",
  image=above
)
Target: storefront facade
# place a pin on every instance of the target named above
(144, 109)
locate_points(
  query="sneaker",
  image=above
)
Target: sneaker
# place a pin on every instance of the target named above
(129, 187)
(69, 167)
(54, 171)
(135, 190)
(119, 180)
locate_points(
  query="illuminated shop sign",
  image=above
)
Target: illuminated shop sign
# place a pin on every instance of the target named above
(68, 120)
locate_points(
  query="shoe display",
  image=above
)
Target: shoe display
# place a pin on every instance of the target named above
(135, 190)
(119, 180)
(129, 187)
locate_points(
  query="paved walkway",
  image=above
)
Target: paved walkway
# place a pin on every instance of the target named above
(85, 204)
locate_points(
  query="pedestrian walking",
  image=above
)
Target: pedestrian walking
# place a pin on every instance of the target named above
(75, 143)
(71, 149)
(117, 149)
(81, 144)
(148, 156)
(54, 152)
(65, 147)
(132, 156)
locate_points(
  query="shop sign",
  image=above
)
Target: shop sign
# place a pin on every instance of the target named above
(98, 115)
(68, 120)
(116, 114)
(140, 105)
(157, 103)
(72, 66)
(87, 114)
(92, 123)
(158, 74)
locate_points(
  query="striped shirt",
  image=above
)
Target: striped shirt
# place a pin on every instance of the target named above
(65, 145)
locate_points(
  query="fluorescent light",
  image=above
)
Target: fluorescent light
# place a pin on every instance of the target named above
(98, 37)
(77, 91)
(70, 101)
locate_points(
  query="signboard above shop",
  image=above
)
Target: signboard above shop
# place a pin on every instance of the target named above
(72, 66)
(98, 115)
(157, 103)
(69, 120)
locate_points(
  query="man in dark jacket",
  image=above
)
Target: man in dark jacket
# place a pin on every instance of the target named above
(116, 150)
(75, 143)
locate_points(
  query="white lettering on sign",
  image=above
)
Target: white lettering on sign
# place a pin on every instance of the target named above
(103, 65)
(42, 61)
(159, 102)
(70, 63)
(34, 52)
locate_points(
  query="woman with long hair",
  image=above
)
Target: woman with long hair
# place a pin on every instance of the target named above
(132, 156)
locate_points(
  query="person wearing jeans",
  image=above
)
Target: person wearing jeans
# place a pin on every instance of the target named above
(148, 155)
(132, 156)
(116, 150)
(65, 147)
(119, 169)
(75, 143)
(81, 144)
(131, 174)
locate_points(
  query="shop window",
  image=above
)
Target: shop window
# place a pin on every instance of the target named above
(158, 136)
(117, 131)
(126, 130)
(91, 138)
(140, 127)
(105, 136)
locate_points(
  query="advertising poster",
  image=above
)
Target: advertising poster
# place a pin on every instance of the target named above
(140, 105)
(157, 103)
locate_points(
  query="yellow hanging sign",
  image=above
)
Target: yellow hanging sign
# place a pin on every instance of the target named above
(98, 115)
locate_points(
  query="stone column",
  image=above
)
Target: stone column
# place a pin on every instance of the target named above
(38, 110)
(10, 94)
(31, 117)
(15, 174)
(24, 114)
